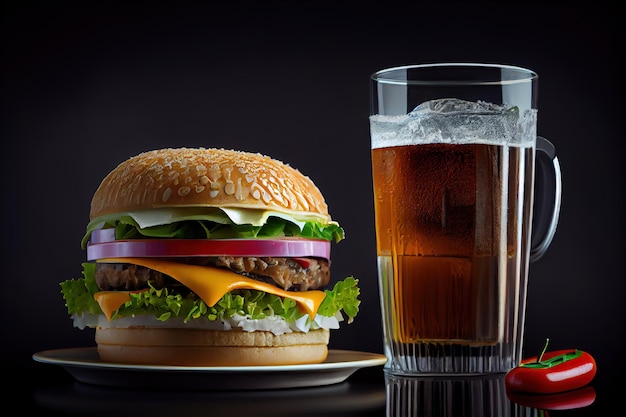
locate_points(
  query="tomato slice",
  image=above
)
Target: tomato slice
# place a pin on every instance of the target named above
(103, 246)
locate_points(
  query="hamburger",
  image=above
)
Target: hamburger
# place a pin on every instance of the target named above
(209, 257)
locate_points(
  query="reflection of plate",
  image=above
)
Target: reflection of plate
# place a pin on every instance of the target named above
(346, 399)
(85, 365)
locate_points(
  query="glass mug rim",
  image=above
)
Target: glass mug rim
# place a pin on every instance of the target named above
(483, 74)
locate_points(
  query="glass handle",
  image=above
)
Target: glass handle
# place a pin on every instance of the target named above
(547, 198)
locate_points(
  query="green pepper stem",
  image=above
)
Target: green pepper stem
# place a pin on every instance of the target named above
(545, 347)
(554, 360)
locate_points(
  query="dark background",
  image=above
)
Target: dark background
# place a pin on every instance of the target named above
(85, 85)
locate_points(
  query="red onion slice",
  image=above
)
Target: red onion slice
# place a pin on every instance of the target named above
(103, 245)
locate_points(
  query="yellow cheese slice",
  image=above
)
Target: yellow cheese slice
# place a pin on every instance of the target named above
(208, 283)
(110, 301)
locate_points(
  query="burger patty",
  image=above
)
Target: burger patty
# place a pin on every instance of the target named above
(285, 273)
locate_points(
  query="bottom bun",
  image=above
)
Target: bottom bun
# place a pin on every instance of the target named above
(200, 347)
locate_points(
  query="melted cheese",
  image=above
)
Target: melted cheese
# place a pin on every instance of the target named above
(209, 283)
(112, 300)
(224, 215)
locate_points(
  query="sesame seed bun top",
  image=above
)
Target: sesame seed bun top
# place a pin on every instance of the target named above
(199, 177)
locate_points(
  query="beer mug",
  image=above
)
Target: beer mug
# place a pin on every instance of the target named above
(454, 156)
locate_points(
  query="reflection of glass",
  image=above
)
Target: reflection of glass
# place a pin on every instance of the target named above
(458, 396)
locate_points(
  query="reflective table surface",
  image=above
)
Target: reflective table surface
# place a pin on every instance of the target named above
(50, 390)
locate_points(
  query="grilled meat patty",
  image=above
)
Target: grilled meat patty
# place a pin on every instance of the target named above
(289, 274)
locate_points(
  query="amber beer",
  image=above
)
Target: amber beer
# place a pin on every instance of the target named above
(448, 221)
(453, 160)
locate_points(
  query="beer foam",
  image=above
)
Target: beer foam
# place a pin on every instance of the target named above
(455, 121)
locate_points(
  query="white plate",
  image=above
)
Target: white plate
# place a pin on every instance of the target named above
(85, 365)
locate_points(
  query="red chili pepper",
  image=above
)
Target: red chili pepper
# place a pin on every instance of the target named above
(551, 372)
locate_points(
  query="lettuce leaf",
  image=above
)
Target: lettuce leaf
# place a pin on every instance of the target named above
(127, 228)
(343, 297)
(163, 304)
(78, 293)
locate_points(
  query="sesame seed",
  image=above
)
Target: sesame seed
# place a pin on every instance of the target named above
(214, 172)
(166, 194)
